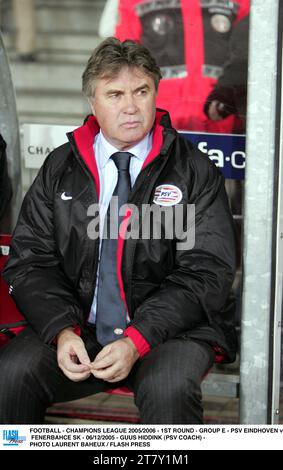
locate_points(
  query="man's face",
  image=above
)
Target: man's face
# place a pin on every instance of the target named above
(125, 107)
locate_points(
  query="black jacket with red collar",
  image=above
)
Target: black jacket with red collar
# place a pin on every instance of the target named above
(169, 292)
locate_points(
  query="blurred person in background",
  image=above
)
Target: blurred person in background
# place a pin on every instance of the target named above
(24, 16)
(229, 95)
(190, 42)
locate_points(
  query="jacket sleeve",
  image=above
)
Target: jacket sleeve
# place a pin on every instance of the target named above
(5, 183)
(41, 290)
(200, 283)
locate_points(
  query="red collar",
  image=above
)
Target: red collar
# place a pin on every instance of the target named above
(84, 137)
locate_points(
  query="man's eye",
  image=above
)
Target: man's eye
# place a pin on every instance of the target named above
(142, 92)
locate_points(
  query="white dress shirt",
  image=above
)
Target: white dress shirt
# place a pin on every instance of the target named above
(108, 177)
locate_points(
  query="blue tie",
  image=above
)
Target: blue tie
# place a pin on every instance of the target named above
(111, 314)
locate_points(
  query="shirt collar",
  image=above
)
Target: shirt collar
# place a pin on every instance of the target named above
(140, 150)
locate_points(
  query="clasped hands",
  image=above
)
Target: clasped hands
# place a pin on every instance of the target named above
(112, 364)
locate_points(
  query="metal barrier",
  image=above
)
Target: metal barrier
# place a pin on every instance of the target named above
(9, 128)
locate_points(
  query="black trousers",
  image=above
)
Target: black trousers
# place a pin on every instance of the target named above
(166, 382)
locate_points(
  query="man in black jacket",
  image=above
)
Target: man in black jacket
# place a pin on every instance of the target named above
(147, 309)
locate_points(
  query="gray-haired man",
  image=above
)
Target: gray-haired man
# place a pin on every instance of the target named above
(166, 310)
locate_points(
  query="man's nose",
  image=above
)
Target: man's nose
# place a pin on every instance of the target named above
(130, 104)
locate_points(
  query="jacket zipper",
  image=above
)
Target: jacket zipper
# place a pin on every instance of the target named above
(92, 266)
(144, 198)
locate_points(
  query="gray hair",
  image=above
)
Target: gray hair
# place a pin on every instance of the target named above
(111, 56)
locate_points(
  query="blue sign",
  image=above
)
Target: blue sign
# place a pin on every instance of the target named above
(227, 151)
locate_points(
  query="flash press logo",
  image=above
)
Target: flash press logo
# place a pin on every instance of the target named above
(11, 437)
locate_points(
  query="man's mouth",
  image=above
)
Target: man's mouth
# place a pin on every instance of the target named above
(131, 125)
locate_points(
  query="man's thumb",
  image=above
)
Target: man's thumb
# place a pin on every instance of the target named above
(82, 355)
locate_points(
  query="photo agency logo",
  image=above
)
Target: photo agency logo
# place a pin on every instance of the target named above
(164, 220)
(11, 437)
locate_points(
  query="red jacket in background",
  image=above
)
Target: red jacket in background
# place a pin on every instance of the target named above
(190, 41)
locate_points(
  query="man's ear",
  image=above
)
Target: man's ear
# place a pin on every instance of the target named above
(92, 106)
